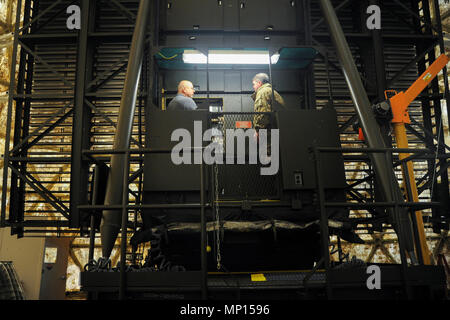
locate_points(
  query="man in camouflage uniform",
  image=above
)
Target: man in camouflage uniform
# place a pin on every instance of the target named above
(263, 103)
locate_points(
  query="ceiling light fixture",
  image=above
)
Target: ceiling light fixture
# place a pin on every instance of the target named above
(230, 57)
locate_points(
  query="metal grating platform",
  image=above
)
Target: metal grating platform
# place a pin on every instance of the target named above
(227, 286)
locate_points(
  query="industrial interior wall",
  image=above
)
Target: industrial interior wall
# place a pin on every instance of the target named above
(27, 254)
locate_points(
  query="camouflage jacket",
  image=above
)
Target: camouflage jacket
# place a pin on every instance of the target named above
(263, 103)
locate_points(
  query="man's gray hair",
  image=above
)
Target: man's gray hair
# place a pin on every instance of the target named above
(262, 77)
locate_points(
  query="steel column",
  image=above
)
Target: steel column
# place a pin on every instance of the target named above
(444, 187)
(79, 177)
(310, 95)
(12, 89)
(22, 120)
(378, 50)
(384, 171)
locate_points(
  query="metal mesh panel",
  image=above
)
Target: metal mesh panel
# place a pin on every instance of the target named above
(242, 181)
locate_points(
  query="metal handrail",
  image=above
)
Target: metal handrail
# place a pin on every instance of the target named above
(393, 204)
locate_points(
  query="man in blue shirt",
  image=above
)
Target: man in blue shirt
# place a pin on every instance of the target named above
(183, 100)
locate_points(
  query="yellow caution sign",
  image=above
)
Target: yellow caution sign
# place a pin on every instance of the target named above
(258, 277)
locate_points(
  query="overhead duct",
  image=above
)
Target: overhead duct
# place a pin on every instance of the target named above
(111, 219)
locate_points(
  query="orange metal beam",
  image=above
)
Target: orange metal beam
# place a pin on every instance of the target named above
(399, 104)
(425, 79)
(401, 101)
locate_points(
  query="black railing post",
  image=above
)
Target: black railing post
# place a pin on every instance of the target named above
(324, 232)
(204, 264)
(94, 195)
(412, 212)
(401, 245)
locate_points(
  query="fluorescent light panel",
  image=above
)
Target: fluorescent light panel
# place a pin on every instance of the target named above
(229, 57)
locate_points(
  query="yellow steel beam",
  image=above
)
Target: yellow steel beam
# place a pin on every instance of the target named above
(402, 143)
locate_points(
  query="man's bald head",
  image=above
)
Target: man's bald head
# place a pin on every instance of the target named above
(186, 88)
